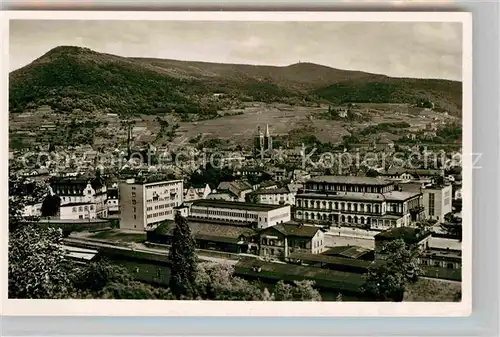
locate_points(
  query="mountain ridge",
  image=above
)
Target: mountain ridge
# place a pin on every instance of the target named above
(70, 77)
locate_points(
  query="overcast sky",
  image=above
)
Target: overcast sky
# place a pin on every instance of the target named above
(423, 50)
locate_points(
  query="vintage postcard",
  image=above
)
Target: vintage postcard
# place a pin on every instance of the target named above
(237, 164)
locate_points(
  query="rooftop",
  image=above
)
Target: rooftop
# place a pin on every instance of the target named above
(295, 229)
(282, 190)
(77, 204)
(208, 231)
(236, 205)
(352, 252)
(340, 261)
(325, 278)
(400, 195)
(350, 180)
(418, 172)
(345, 196)
(408, 234)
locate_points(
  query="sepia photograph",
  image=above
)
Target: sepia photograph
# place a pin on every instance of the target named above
(236, 157)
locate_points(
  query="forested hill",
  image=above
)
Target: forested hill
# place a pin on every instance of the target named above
(69, 78)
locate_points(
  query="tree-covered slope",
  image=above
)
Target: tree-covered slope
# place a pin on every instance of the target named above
(69, 78)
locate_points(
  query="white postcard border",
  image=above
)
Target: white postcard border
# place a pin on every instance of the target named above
(226, 308)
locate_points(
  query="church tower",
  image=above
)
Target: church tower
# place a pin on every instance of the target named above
(268, 140)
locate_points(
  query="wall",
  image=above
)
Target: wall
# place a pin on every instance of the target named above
(442, 202)
(161, 207)
(132, 206)
(273, 217)
(77, 212)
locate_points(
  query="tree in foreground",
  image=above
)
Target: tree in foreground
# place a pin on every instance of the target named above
(452, 225)
(23, 192)
(37, 265)
(183, 260)
(216, 281)
(104, 280)
(387, 281)
(299, 291)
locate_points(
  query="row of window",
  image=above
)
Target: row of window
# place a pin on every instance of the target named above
(158, 199)
(331, 217)
(84, 208)
(155, 215)
(341, 206)
(349, 188)
(443, 264)
(223, 213)
(162, 186)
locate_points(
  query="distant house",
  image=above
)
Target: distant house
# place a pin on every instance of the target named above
(411, 236)
(196, 192)
(33, 210)
(78, 211)
(406, 174)
(231, 191)
(81, 190)
(280, 174)
(280, 240)
(113, 201)
(300, 175)
(275, 196)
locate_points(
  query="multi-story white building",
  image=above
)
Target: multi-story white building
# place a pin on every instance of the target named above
(262, 216)
(146, 204)
(275, 196)
(357, 201)
(80, 190)
(437, 201)
(77, 211)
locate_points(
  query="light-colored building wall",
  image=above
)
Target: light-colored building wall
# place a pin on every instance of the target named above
(273, 217)
(276, 244)
(113, 205)
(143, 205)
(237, 212)
(437, 202)
(276, 198)
(78, 211)
(88, 195)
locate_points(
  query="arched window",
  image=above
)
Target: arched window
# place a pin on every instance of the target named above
(336, 205)
(317, 204)
(312, 216)
(362, 221)
(348, 206)
(330, 205)
(355, 219)
(343, 218)
(324, 216)
(307, 215)
(355, 207)
(349, 219)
